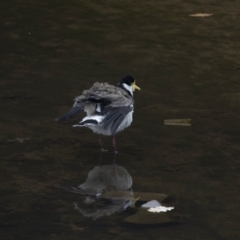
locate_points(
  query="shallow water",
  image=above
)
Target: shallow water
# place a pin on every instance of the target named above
(187, 68)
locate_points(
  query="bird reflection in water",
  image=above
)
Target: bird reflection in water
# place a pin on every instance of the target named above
(108, 189)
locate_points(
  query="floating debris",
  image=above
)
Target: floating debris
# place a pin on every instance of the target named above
(178, 122)
(143, 217)
(156, 207)
(21, 140)
(160, 209)
(151, 204)
(201, 15)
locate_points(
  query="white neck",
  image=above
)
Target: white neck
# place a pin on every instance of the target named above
(128, 88)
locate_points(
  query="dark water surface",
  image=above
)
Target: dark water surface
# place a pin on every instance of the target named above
(187, 67)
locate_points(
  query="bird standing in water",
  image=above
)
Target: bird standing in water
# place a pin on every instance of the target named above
(109, 108)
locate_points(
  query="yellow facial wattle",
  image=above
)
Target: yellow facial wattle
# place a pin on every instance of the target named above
(134, 86)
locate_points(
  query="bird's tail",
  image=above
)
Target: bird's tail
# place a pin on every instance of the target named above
(90, 121)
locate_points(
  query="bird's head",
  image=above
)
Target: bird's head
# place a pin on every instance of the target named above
(128, 84)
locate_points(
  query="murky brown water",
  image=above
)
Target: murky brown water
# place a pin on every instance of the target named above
(187, 68)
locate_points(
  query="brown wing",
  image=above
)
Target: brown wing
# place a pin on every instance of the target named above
(106, 94)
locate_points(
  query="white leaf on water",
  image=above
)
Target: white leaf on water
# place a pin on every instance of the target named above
(160, 209)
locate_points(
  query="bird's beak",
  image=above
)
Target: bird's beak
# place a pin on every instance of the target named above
(134, 86)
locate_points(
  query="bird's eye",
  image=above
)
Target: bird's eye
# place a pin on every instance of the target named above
(77, 102)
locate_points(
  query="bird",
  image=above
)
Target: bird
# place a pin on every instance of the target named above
(109, 109)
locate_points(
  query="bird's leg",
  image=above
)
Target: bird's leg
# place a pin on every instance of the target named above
(114, 160)
(114, 145)
(100, 159)
(101, 143)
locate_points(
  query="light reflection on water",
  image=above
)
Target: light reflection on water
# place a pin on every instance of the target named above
(112, 180)
(107, 190)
